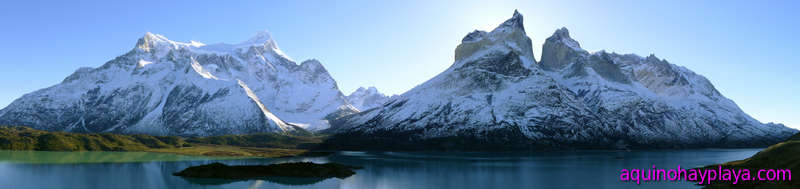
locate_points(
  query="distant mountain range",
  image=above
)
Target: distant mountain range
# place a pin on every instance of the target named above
(495, 95)
(367, 98)
(164, 87)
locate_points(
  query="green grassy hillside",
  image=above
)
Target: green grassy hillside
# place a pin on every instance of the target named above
(253, 145)
(784, 155)
(24, 138)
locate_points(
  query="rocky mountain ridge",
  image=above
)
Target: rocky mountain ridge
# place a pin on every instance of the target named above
(496, 96)
(163, 87)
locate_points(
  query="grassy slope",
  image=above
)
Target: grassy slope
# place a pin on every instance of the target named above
(24, 138)
(256, 145)
(784, 155)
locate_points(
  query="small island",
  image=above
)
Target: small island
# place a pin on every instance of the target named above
(247, 172)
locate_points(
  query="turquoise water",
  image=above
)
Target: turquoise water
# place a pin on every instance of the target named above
(583, 169)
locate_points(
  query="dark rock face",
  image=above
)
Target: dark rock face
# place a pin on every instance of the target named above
(560, 50)
(508, 64)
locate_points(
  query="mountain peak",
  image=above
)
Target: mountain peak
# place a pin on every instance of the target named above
(367, 98)
(560, 50)
(244, 89)
(561, 35)
(151, 42)
(150, 35)
(508, 37)
(562, 32)
(264, 41)
(652, 57)
(492, 93)
(260, 38)
(369, 90)
(514, 22)
(474, 36)
(362, 91)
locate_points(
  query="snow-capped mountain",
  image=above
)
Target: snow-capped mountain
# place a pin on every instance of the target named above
(165, 87)
(496, 96)
(366, 98)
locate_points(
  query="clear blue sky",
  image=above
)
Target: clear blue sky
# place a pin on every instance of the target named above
(747, 49)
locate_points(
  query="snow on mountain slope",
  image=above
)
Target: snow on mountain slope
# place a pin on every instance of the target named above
(367, 98)
(496, 96)
(165, 87)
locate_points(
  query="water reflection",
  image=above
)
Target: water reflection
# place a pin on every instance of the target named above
(258, 182)
(586, 169)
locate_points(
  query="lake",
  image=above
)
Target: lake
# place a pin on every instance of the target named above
(580, 169)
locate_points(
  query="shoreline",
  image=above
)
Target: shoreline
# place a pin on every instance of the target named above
(151, 155)
(191, 154)
(258, 145)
